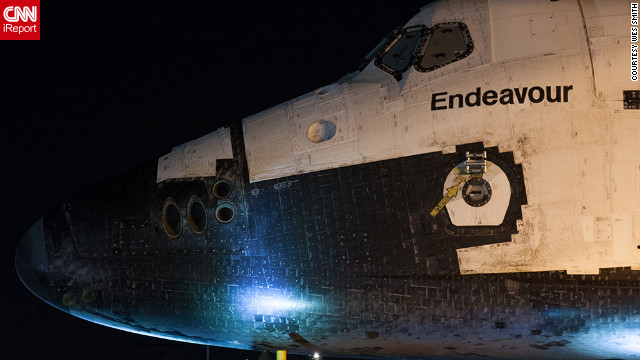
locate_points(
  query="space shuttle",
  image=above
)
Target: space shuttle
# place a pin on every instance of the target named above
(471, 190)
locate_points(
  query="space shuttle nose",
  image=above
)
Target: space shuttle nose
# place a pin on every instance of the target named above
(31, 262)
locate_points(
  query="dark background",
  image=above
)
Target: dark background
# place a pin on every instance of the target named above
(113, 83)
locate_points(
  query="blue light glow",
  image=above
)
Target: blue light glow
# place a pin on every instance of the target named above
(616, 339)
(625, 342)
(279, 303)
(272, 301)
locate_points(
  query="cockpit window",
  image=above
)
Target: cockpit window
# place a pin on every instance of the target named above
(426, 48)
(444, 43)
(399, 51)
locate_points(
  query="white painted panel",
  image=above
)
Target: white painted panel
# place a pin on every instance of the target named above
(608, 25)
(266, 126)
(554, 178)
(509, 8)
(626, 147)
(330, 157)
(418, 131)
(551, 27)
(602, 229)
(625, 197)
(611, 62)
(559, 228)
(625, 167)
(271, 160)
(594, 172)
(597, 208)
(196, 158)
(588, 228)
(495, 258)
(589, 127)
(622, 237)
(366, 100)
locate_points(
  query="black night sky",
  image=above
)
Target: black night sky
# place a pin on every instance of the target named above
(114, 83)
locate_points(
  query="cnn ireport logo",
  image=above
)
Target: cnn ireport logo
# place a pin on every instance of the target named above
(20, 20)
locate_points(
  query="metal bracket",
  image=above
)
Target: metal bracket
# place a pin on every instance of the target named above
(476, 163)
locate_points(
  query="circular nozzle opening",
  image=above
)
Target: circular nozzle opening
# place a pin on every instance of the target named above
(196, 215)
(225, 213)
(171, 219)
(222, 189)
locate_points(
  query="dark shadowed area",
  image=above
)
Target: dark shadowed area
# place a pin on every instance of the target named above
(112, 84)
